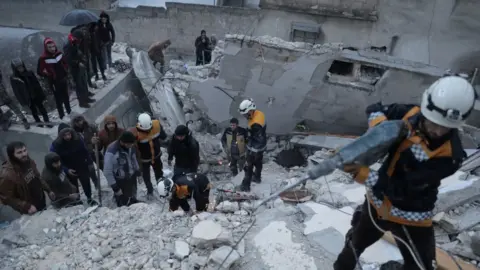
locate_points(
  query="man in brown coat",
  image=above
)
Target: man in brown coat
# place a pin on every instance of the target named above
(110, 132)
(21, 186)
(155, 52)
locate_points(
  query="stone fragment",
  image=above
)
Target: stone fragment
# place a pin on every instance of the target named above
(182, 250)
(207, 233)
(227, 207)
(219, 256)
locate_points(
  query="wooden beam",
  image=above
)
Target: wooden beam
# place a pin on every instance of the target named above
(444, 261)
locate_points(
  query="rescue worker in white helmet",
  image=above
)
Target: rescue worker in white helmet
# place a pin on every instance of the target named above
(184, 187)
(149, 136)
(257, 143)
(401, 195)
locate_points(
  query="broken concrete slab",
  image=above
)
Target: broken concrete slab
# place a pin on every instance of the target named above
(454, 192)
(330, 239)
(208, 233)
(321, 141)
(454, 223)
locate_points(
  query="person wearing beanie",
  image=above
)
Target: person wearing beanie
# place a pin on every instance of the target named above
(186, 151)
(121, 169)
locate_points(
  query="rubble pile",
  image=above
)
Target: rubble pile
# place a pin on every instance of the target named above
(137, 237)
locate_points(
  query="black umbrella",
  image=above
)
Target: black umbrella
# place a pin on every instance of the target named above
(78, 17)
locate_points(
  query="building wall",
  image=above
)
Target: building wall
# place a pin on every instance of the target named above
(442, 33)
(358, 9)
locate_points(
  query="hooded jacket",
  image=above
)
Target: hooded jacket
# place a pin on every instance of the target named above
(186, 152)
(22, 187)
(73, 153)
(52, 66)
(25, 85)
(155, 51)
(107, 137)
(73, 52)
(57, 180)
(120, 163)
(106, 33)
(86, 132)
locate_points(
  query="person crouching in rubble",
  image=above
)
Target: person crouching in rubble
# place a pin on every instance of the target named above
(233, 140)
(122, 169)
(401, 195)
(21, 186)
(149, 135)
(186, 151)
(257, 143)
(183, 187)
(65, 192)
(156, 53)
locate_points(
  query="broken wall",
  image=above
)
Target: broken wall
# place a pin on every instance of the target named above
(357, 9)
(441, 32)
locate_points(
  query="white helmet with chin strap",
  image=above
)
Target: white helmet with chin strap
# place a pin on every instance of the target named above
(246, 106)
(448, 101)
(164, 187)
(144, 121)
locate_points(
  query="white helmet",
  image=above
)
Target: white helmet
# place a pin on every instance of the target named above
(246, 106)
(448, 101)
(164, 187)
(144, 121)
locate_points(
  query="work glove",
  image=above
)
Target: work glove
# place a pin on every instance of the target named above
(137, 173)
(352, 169)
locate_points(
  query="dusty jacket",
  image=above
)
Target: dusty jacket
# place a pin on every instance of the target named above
(106, 32)
(52, 66)
(234, 142)
(87, 132)
(404, 190)
(26, 87)
(257, 129)
(73, 154)
(192, 185)
(148, 143)
(107, 137)
(120, 164)
(57, 180)
(14, 188)
(155, 51)
(186, 152)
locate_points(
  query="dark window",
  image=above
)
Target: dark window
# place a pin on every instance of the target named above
(341, 68)
(370, 75)
(304, 36)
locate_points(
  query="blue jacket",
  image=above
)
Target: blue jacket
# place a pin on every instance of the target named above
(74, 153)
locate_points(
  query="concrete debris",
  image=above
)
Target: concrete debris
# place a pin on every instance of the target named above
(182, 250)
(223, 256)
(227, 206)
(208, 233)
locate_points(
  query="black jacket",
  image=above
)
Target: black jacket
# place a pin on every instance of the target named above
(413, 184)
(26, 87)
(185, 152)
(73, 50)
(73, 154)
(202, 46)
(106, 33)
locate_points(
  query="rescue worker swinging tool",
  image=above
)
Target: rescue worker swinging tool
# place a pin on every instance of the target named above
(423, 147)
